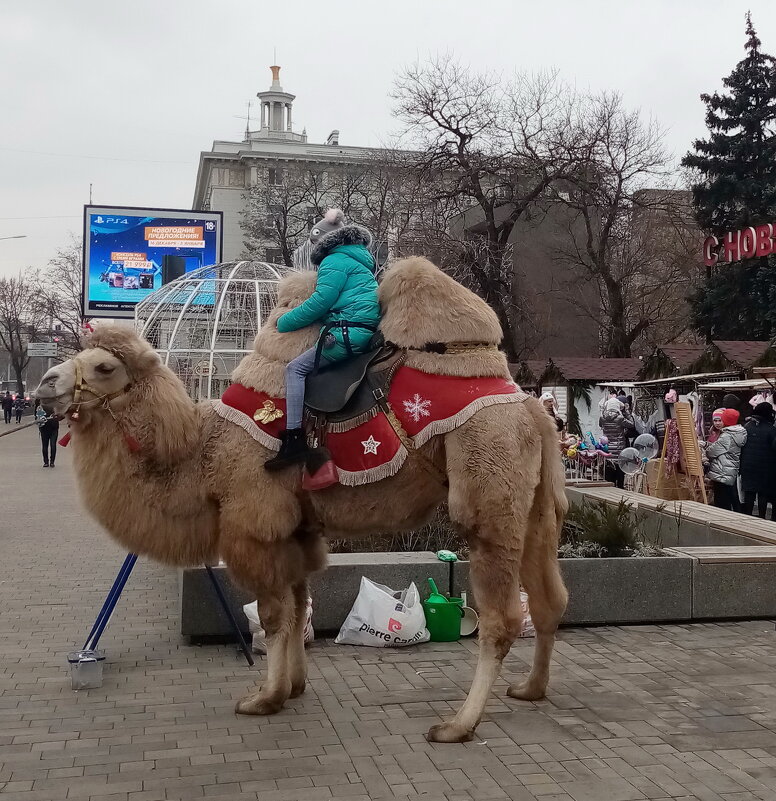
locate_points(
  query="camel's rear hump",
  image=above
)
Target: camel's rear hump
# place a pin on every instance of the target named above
(420, 305)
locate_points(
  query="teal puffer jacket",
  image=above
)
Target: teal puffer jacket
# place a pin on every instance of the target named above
(346, 289)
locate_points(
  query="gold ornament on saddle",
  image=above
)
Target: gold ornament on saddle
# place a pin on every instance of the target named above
(267, 413)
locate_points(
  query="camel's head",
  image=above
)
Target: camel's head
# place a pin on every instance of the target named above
(115, 357)
(293, 290)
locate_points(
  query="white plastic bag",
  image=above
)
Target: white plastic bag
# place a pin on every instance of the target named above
(257, 630)
(382, 617)
(528, 629)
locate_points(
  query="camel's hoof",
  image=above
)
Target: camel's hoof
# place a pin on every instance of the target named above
(449, 733)
(297, 689)
(527, 692)
(258, 705)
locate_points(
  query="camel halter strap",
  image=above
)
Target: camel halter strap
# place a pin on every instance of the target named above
(103, 398)
(82, 386)
(451, 348)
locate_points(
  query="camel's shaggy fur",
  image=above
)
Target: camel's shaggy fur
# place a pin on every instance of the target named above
(197, 488)
(421, 305)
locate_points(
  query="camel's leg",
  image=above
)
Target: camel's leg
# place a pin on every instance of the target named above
(295, 655)
(275, 571)
(493, 506)
(539, 569)
(277, 613)
(547, 598)
(313, 548)
(493, 572)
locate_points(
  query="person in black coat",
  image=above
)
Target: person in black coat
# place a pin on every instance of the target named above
(7, 404)
(18, 407)
(758, 461)
(48, 426)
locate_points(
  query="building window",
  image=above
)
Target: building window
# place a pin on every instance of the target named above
(220, 176)
(273, 255)
(275, 176)
(236, 178)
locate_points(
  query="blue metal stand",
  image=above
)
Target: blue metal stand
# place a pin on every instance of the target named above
(118, 586)
(225, 606)
(110, 602)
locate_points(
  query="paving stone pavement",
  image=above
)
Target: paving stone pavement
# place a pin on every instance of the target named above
(641, 712)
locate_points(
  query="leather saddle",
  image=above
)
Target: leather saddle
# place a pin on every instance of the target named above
(350, 388)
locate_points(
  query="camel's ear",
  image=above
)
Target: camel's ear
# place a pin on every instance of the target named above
(125, 344)
(145, 362)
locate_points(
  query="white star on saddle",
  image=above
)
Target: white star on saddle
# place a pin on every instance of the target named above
(371, 445)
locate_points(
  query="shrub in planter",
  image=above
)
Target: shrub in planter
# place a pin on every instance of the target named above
(597, 529)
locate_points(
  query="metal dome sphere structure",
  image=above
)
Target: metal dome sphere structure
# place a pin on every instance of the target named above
(203, 323)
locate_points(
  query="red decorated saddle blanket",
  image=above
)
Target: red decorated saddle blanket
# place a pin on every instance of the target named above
(367, 451)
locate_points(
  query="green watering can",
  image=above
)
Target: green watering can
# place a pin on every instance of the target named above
(443, 615)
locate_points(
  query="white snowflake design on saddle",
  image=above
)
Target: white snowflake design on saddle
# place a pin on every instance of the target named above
(417, 407)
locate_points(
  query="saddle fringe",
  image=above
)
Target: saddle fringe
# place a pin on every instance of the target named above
(386, 470)
(247, 424)
(353, 422)
(448, 424)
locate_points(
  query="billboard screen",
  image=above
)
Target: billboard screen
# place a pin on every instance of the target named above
(130, 252)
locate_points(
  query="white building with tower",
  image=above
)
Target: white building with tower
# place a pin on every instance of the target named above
(229, 169)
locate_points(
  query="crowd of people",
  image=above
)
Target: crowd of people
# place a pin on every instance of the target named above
(616, 422)
(739, 453)
(740, 458)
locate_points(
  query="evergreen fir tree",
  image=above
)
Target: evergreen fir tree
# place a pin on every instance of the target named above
(736, 187)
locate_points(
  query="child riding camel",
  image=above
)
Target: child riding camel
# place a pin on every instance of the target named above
(345, 302)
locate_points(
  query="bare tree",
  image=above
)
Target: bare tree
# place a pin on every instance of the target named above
(62, 285)
(630, 233)
(375, 192)
(489, 149)
(23, 317)
(279, 211)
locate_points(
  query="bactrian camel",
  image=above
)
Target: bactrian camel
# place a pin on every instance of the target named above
(192, 488)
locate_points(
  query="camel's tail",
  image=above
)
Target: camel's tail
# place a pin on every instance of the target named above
(552, 481)
(550, 507)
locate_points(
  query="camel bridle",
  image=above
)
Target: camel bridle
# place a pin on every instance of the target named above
(82, 386)
(103, 398)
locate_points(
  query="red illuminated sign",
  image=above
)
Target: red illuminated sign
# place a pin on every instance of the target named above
(748, 243)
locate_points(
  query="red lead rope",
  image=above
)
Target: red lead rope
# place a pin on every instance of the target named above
(132, 443)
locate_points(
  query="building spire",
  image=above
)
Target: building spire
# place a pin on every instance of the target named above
(276, 111)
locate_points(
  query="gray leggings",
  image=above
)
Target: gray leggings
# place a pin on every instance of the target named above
(296, 375)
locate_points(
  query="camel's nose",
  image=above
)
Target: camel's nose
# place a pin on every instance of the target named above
(47, 388)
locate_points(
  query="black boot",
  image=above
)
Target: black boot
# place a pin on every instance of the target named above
(293, 450)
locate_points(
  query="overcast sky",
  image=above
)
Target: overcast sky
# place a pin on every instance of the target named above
(126, 95)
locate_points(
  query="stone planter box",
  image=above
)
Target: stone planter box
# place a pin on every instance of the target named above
(333, 590)
(613, 591)
(628, 590)
(667, 524)
(734, 590)
(735, 582)
(694, 583)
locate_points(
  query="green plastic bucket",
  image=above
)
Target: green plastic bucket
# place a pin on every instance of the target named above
(443, 620)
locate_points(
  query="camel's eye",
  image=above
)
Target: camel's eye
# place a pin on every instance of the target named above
(104, 368)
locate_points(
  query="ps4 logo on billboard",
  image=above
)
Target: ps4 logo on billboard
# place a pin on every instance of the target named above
(110, 220)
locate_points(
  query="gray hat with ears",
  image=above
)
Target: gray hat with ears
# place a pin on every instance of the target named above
(333, 219)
